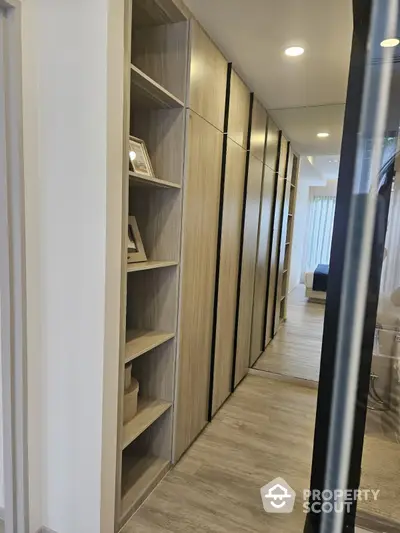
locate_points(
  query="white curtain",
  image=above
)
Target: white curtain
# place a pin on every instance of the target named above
(320, 228)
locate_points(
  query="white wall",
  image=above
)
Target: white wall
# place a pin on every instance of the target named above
(73, 75)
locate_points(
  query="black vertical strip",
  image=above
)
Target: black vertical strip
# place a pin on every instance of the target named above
(362, 12)
(217, 266)
(239, 279)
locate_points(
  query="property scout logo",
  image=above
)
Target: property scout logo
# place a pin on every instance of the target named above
(279, 497)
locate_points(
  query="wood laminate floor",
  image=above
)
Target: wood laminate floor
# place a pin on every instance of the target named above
(265, 430)
(296, 349)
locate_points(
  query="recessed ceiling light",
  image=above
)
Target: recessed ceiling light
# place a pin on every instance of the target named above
(390, 43)
(294, 51)
(322, 135)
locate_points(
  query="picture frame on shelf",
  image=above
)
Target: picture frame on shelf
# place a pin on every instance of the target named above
(139, 159)
(136, 251)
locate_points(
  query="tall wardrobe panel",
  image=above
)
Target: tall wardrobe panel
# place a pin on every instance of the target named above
(272, 145)
(249, 254)
(262, 264)
(228, 273)
(199, 256)
(239, 102)
(208, 73)
(258, 130)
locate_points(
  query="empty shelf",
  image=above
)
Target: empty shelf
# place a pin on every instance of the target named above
(139, 342)
(153, 182)
(139, 477)
(148, 412)
(149, 265)
(148, 93)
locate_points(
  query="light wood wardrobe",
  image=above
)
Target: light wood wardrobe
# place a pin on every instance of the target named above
(230, 232)
(203, 169)
(275, 272)
(254, 181)
(280, 153)
(187, 316)
(263, 296)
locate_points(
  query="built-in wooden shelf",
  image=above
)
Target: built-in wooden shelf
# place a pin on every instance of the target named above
(148, 412)
(155, 13)
(287, 244)
(138, 342)
(150, 265)
(148, 181)
(290, 215)
(140, 475)
(147, 93)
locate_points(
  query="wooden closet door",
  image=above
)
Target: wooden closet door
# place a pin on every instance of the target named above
(275, 276)
(250, 238)
(232, 210)
(199, 255)
(261, 275)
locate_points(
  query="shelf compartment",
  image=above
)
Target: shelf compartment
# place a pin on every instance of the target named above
(147, 93)
(148, 412)
(148, 181)
(140, 476)
(148, 13)
(138, 342)
(150, 265)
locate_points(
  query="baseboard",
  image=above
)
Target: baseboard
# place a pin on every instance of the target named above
(45, 529)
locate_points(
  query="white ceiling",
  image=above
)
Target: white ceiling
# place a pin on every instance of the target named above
(302, 124)
(253, 34)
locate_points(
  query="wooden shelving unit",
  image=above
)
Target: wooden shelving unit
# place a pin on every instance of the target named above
(139, 342)
(147, 181)
(150, 265)
(292, 178)
(156, 58)
(148, 93)
(148, 412)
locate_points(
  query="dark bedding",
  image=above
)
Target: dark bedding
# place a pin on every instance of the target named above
(320, 282)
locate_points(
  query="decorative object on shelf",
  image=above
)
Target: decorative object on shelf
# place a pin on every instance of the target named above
(131, 400)
(139, 158)
(136, 252)
(128, 376)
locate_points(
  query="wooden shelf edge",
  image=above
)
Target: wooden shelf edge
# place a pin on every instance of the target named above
(140, 342)
(153, 90)
(148, 412)
(153, 182)
(150, 265)
(147, 471)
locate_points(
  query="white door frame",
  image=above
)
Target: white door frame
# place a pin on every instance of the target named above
(12, 272)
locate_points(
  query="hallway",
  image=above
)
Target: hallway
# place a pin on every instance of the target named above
(263, 431)
(296, 349)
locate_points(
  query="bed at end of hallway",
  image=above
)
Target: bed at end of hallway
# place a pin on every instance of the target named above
(316, 284)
